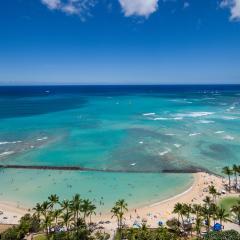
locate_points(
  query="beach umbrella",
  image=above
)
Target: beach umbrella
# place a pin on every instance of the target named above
(217, 227)
(160, 223)
(136, 226)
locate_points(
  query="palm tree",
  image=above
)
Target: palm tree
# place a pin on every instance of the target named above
(91, 211)
(207, 214)
(66, 218)
(76, 205)
(214, 210)
(45, 207)
(207, 200)
(198, 226)
(38, 211)
(178, 210)
(213, 191)
(65, 204)
(235, 170)
(187, 209)
(47, 223)
(123, 207)
(85, 208)
(56, 214)
(228, 172)
(222, 215)
(53, 199)
(80, 229)
(236, 210)
(196, 209)
(116, 211)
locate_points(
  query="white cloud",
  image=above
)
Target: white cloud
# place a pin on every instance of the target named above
(138, 7)
(52, 4)
(234, 6)
(72, 7)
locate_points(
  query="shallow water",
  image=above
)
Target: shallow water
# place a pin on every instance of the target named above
(124, 128)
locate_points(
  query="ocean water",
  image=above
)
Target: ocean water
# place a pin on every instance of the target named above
(136, 130)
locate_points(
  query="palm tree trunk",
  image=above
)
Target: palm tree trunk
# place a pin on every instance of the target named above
(229, 183)
(182, 218)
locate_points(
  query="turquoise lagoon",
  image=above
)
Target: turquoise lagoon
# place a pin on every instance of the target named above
(136, 130)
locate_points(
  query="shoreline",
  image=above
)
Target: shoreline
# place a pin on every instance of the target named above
(162, 210)
(171, 198)
(155, 211)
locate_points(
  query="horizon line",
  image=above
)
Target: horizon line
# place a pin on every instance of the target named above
(120, 84)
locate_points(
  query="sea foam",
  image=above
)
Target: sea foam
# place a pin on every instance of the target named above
(219, 132)
(149, 114)
(6, 153)
(177, 145)
(205, 121)
(165, 152)
(194, 114)
(14, 142)
(41, 139)
(228, 137)
(193, 134)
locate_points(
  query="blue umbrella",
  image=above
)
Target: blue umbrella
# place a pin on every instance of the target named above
(160, 223)
(217, 227)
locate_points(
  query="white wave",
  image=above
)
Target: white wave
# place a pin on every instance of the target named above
(194, 114)
(166, 119)
(41, 139)
(219, 132)
(205, 121)
(229, 118)
(231, 108)
(160, 118)
(193, 134)
(165, 152)
(178, 118)
(149, 114)
(228, 137)
(170, 134)
(177, 145)
(141, 142)
(14, 142)
(6, 153)
(133, 164)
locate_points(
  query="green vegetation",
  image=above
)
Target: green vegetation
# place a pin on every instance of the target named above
(58, 220)
(147, 234)
(225, 235)
(40, 237)
(28, 224)
(227, 203)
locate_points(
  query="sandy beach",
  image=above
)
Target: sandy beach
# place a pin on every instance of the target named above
(160, 211)
(11, 213)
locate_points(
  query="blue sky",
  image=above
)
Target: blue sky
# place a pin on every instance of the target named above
(119, 41)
